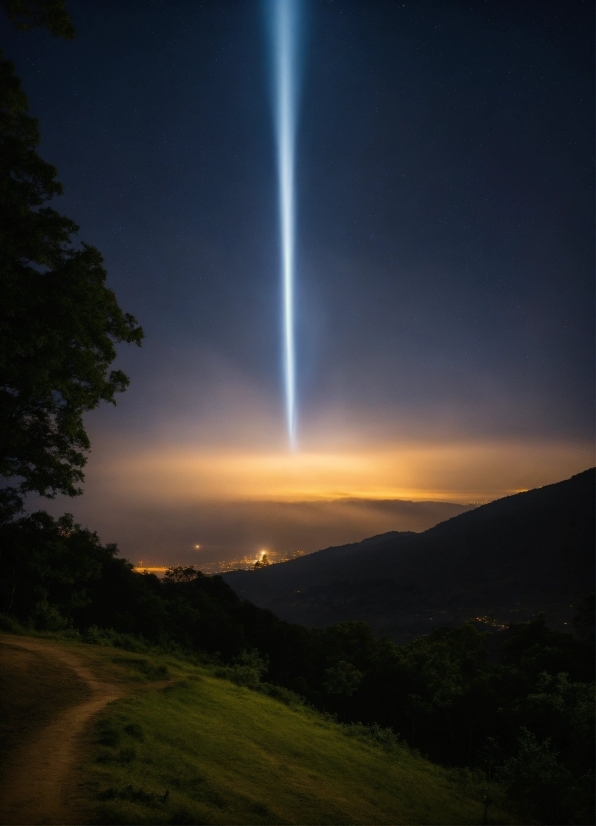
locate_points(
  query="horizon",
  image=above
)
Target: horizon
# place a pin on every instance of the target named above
(296, 529)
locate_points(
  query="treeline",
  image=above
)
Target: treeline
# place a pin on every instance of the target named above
(517, 704)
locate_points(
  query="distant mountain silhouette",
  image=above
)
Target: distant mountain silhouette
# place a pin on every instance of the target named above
(508, 559)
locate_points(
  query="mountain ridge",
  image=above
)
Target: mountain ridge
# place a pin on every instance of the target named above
(509, 558)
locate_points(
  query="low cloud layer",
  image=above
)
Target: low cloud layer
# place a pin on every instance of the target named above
(160, 503)
(228, 532)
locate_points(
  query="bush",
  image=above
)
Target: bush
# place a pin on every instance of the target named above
(142, 664)
(10, 624)
(475, 783)
(47, 617)
(107, 636)
(373, 734)
(278, 692)
(247, 669)
(540, 785)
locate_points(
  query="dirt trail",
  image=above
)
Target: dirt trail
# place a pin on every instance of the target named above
(39, 785)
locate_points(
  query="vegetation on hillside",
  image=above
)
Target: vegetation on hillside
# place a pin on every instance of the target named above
(182, 746)
(59, 322)
(517, 704)
(207, 751)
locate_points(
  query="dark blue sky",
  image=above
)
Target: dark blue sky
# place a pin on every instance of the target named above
(446, 213)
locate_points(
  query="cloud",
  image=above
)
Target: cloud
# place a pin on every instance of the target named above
(159, 502)
(229, 531)
(457, 472)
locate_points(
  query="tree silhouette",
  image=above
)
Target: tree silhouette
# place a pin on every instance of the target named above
(48, 14)
(59, 323)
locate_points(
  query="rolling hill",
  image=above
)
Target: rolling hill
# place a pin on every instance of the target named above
(176, 745)
(507, 560)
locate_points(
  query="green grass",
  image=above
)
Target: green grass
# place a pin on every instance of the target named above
(203, 750)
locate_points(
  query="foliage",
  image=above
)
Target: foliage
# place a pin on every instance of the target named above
(59, 323)
(537, 780)
(373, 734)
(342, 679)
(47, 566)
(48, 14)
(278, 692)
(248, 669)
(108, 637)
(182, 573)
(482, 788)
(513, 706)
(216, 753)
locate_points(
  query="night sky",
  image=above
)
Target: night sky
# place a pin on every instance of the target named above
(445, 292)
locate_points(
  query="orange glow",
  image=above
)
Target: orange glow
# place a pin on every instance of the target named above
(455, 472)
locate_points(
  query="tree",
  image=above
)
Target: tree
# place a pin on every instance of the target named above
(182, 573)
(538, 782)
(47, 567)
(262, 562)
(59, 323)
(342, 679)
(47, 14)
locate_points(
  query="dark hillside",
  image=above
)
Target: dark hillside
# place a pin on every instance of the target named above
(508, 559)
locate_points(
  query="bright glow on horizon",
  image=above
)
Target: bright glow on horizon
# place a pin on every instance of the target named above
(285, 103)
(454, 472)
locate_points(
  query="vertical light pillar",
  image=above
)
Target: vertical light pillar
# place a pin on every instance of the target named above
(285, 24)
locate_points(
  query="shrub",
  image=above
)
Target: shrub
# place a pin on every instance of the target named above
(107, 636)
(374, 734)
(47, 617)
(537, 781)
(247, 669)
(278, 692)
(10, 624)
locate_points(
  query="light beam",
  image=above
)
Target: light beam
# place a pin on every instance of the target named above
(285, 33)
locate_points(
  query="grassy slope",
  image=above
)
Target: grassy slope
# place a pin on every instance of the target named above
(202, 750)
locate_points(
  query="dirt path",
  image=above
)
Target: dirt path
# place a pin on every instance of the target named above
(39, 784)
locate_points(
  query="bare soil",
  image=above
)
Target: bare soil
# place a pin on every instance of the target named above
(47, 697)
